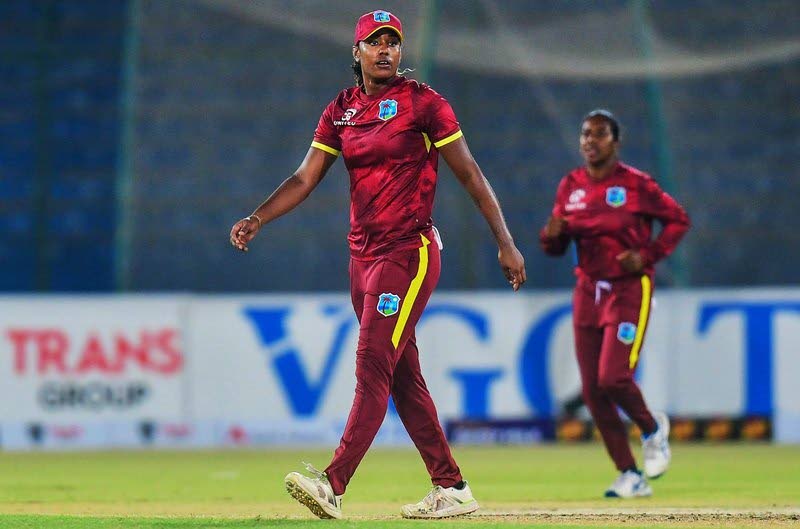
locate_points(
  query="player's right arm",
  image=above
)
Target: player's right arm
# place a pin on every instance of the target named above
(286, 197)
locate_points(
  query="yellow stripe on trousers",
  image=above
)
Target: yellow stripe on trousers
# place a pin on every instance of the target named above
(411, 295)
(641, 326)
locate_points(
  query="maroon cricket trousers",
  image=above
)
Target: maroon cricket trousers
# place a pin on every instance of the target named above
(610, 320)
(389, 295)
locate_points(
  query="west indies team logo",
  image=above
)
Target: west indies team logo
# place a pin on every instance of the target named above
(381, 16)
(387, 109)
(626, 332)
(616, 196)
(388, 304)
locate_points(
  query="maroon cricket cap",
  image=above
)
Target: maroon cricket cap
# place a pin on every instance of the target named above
(371, 22)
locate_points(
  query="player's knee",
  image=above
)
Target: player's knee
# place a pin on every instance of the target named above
(371, 366)
(590, 393)
(613, 384)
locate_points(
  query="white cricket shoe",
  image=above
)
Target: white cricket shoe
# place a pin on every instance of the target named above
(315, 492)
(656, 448)
(442, 503)
(629, 484)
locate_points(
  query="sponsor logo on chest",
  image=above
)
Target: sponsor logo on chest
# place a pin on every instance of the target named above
(347, 118)
(576, 200)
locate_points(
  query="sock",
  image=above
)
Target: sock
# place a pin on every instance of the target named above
(631, 469)
(460, 485)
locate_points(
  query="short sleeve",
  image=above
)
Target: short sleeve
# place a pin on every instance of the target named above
(326, 137)
(438, 120)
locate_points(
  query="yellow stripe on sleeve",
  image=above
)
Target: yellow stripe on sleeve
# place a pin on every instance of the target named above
(451, 138)
(411, 295)
(323, 147)
(641, 326)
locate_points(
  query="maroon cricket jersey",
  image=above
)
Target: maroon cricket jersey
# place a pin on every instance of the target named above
(389, 144)
(606, 218)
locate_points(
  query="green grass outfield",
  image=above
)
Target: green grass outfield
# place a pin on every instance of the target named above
(725, 485)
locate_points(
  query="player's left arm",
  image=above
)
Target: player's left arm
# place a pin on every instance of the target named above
(459, 158)
(657, 203)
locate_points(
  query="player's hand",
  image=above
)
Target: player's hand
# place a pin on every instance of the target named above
(243, 232)
(631, 261)
(554, 227)
(513, 265)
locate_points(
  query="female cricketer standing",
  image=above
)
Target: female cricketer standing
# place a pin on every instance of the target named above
(608, 209)
(390, 132)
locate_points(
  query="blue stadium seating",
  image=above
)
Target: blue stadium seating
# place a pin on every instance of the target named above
(226, 108)
(59, 134)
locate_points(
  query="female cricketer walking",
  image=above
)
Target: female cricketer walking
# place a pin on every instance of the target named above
(390, 132)
(608, 209)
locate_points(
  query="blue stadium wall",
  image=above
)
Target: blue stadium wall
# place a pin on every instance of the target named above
(219, 123)
(59, 135)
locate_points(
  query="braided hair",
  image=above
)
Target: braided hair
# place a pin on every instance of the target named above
(358, 75)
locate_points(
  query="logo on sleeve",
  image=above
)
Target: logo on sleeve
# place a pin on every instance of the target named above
(381, 16)
(387, 109)
(388, 304)
(575, 200)
(616, 196)
(626, 332)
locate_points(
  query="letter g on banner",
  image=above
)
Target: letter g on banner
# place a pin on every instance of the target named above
(475, 382)
(534, 364)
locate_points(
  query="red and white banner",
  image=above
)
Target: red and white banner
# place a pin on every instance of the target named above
(179, 371)
(72, 365)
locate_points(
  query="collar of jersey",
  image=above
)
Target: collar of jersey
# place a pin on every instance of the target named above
(364, 97)
(618, 168)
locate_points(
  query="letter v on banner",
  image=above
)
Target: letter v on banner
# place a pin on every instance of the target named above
(304, 395)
